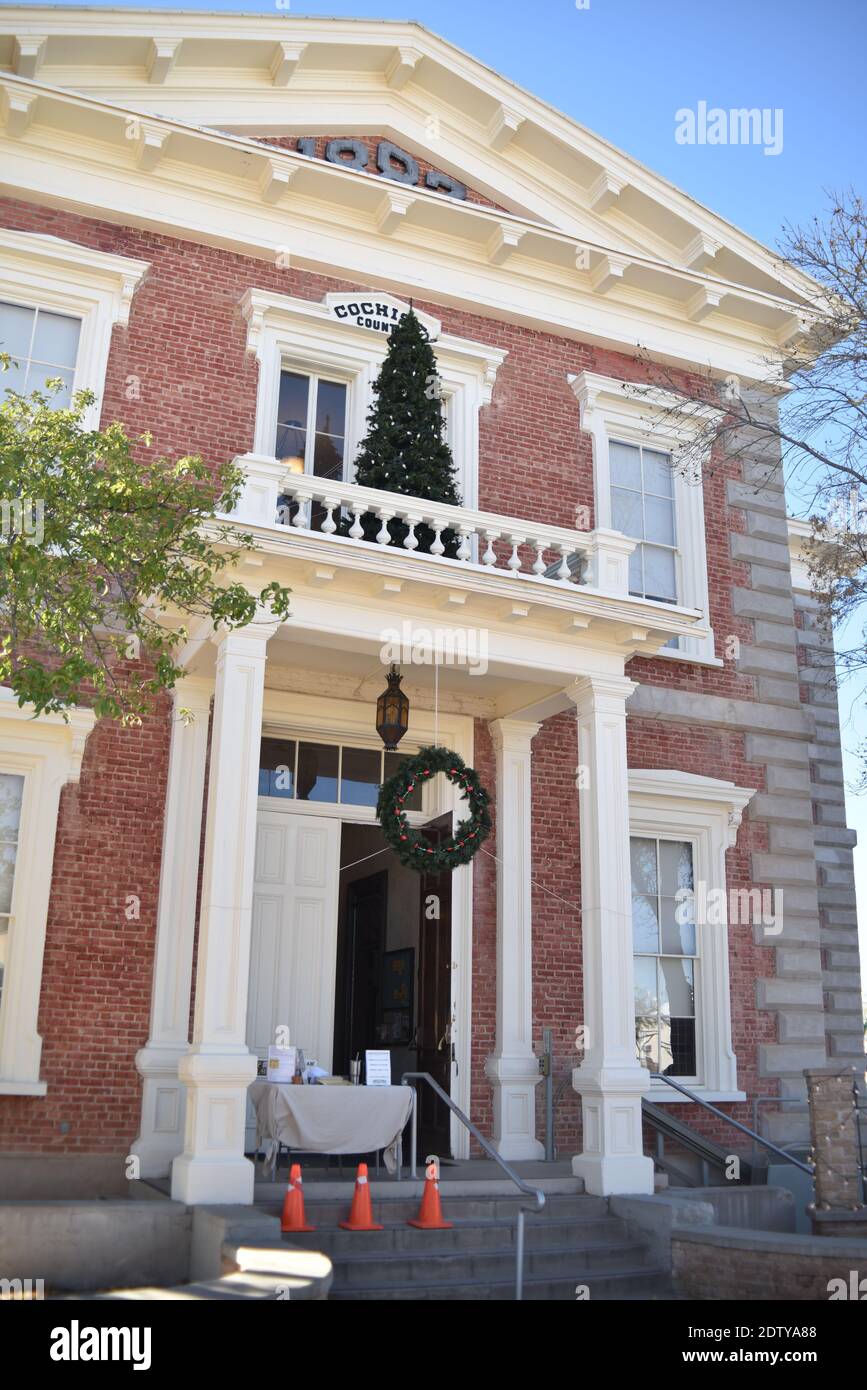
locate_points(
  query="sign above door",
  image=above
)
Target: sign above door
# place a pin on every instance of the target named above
(379, 313)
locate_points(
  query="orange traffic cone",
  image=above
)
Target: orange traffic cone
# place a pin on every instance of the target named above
(361, 1215)
(430, 1216)
(293, 1219)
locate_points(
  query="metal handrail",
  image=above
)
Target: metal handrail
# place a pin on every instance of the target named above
(536, 1193)
(744, 1129)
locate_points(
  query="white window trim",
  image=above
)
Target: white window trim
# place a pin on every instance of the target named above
(706, 812)
(47, 272)
(621, 411)
(47, 752)
(284, 331)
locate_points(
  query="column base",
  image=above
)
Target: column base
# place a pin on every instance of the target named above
(613, 1159)
(161, 1137)
(514, 1080)
(213, 1168)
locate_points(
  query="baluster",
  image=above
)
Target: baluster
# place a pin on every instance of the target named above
(356, 530)
(437, 547)
(514, 561)
(564, 574)
(539, 566)
(329, 525)
(489, 557)
(302, 516)
(410, 540)
(383, 535)
(464, 550)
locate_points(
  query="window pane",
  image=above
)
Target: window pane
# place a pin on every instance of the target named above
(675, 865)
(317, 772)
(642, 854)
(659, 579)
(277, 767)
(11, 793)
(38, 375)
(7, 875)
(645, 925)
(14, 378)
(681, 1047)
(626, 512)
(625, 463)
(56, 339)
(658, 476)
(392, 765)
(646, 1014)
(678, 926)
(359, 776)
(328, 456)
(659, 520)
(292, 418)
(636, 572)
(677, 996)
(331, 408)
(16, 330)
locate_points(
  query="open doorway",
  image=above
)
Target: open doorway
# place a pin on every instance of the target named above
(393, 970)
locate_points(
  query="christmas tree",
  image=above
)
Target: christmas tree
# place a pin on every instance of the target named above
(404, 449)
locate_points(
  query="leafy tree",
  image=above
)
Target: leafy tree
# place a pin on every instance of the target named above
(100, 541)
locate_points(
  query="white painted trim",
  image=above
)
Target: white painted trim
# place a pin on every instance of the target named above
(47, 751)
(94, 286)
(618, 410)
(289, 715)
(706, 812)
(286, 331)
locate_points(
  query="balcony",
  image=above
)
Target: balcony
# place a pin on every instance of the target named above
(500, 569)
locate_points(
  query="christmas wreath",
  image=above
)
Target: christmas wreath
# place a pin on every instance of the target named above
(410, 845)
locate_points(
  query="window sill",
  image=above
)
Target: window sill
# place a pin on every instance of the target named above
(664, 1095)
(23, 1088)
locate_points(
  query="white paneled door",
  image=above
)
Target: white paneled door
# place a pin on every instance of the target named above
(293, 950)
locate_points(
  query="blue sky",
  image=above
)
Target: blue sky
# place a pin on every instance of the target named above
(624, 67)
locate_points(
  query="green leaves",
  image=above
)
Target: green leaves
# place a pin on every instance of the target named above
(106, 553)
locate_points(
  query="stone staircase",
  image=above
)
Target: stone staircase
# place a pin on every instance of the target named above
(573, 1241)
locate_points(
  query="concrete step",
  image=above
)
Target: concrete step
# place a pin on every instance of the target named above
(430, 1268)
(642, 1283)
(465, 1235)
(327, 1211)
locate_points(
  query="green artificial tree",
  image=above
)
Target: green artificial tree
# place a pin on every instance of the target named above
(404, 449)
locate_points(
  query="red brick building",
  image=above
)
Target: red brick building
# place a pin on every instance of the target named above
(625, 657)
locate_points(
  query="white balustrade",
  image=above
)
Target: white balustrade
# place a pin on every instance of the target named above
(522, 549)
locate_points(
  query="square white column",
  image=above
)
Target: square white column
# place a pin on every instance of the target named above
(219, 1067)
(513, 1068)
(161, 1137)
(610, 1079)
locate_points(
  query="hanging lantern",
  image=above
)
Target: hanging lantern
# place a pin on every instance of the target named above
(392, 712)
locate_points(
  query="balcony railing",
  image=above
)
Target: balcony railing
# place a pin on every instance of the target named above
(532, 551)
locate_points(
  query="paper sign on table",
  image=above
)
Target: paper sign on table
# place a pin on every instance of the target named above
(377, 1068)
(281, 1063)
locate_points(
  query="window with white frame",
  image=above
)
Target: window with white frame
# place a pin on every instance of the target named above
(11, 795)
(681, 825)
(665, 954)
(42, 345)
(311, 424)
(637, 434)
(59, 302)
(643, 508)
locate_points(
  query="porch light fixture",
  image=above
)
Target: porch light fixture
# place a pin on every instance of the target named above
(392, 712)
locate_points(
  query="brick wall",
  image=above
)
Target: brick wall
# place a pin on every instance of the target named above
(194, 389)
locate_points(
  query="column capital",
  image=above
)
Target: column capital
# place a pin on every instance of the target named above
(258, 631)
(513, 733)
(587, 691)
(193, 693)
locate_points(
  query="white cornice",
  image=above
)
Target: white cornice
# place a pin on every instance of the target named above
(390, 54)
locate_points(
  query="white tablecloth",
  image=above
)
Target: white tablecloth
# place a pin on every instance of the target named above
(331, 1119)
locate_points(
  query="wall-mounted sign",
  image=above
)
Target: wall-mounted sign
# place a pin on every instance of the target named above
(378, 312)
(391, 162)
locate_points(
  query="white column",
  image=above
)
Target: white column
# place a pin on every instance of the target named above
(513, 1068)
(219, 1067)
(610, 1080)
(161, 1137)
